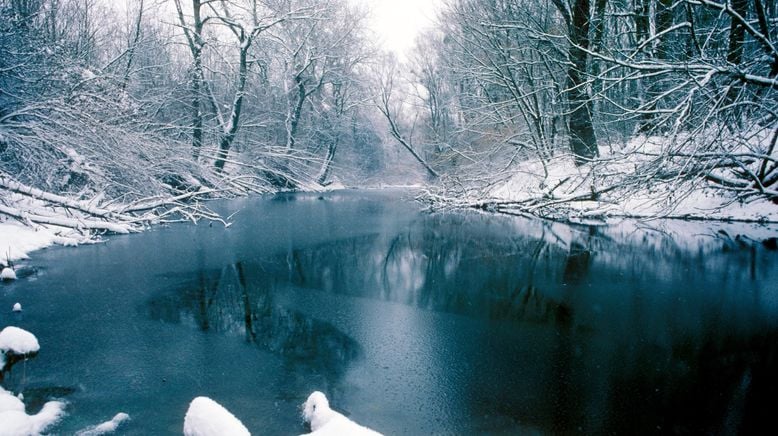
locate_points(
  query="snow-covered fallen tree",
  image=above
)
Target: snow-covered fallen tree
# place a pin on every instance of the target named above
(671, 177)
(33, 207)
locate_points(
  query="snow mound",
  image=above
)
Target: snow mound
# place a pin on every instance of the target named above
(107, 427)
(7, 274)
(15, 422)
(14, 340)
(17, 307)
(325, 421)
(206, 417)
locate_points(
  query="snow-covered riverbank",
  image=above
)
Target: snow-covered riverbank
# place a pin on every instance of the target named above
(17, 241)
(645, 178)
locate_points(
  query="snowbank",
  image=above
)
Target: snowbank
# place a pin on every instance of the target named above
(17, 240)
(14, 340)
(14, 421)
(206, 417)
(325, 421)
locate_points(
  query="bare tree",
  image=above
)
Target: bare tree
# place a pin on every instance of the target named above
(390, 109)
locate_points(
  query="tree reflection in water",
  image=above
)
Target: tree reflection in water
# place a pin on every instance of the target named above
(240, 299)
(473, 275)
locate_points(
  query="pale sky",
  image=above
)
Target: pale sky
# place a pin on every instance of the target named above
(397, 22)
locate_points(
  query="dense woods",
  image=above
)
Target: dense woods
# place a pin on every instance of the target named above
(136, 105)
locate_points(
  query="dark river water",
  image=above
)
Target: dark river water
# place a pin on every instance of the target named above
(411, 323)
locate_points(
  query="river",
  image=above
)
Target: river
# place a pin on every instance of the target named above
(410, 322)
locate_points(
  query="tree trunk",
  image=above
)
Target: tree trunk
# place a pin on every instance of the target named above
(583, 142)
(194, 39)
(294, 121)
(659, 19)
(737, 34)
(132, 47)
(197, 114)
(231, 128)
(326, 166)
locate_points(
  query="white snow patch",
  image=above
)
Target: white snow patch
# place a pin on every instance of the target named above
(17, 307)
(206, 417)
(87, 74)
(7, 274)
(17, 240)
(325, 421)
(336, 185)
(107, 427)
(14, 421)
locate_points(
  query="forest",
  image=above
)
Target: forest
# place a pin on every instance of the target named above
(115, 115)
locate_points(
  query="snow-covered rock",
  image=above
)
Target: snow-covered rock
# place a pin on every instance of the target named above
(14, 421)
(17, 307)
(206, 417)
(7, 274)
(107, 427)
(17, 342)
(325, 421)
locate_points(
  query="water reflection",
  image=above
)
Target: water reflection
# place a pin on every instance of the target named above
(481, 275)
(637, 330)
(465, 323)
(240, 299)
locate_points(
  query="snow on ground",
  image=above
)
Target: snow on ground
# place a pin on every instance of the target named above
(325, 421)
(17, 240)
(206, 417)
(335, 185)
(14, 421)
(107, 427)
(17, 341)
